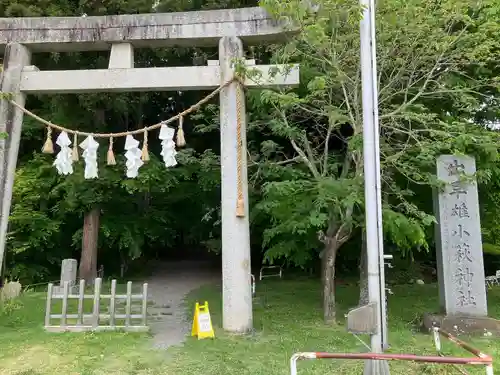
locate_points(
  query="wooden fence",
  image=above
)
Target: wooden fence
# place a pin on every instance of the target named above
(97, 321)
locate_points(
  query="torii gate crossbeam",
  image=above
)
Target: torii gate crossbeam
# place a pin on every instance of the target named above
(194, 29)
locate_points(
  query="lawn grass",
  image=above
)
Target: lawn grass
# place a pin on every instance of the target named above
(287, 319)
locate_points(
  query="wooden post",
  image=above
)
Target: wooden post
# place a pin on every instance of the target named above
(16, 57)
(97, 302)
(64, 310)
(112, 305)
(88, 259)
(81, 299)
(144, 303)
(48, 306)
(128, 306)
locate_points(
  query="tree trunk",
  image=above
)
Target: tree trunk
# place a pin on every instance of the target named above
(363, 272)
(88, 260)
(328, 279)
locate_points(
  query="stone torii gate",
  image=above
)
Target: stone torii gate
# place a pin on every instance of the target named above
(20, 37)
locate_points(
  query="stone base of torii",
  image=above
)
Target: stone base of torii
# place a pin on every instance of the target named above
(20, 37)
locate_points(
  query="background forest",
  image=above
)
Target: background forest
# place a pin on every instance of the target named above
(439, 83)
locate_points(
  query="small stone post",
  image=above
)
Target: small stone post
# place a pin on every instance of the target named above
(69, 269)
(16, 57)
(236, 289)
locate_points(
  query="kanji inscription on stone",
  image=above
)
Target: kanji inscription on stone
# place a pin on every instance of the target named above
(457, 189)
(463, 253)
(455, 169)
(460, 210)
(458, 238)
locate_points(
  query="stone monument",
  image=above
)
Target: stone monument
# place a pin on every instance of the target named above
(69, 269)
(462, 291)
(11, 290)
(460, 266)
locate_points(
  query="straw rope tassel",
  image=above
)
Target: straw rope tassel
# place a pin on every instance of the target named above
(111, 155)
(48, 146)
(240, 203)
(145, 152)
(181, 141)
(74, 154)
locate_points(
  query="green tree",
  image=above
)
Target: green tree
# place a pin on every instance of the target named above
(433, 87)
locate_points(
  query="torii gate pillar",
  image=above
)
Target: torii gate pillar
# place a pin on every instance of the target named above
(236, 288)
(16, 58)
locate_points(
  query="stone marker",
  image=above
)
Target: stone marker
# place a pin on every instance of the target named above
(462, 290)
(460, 267)
(10, 290)
(69, 269)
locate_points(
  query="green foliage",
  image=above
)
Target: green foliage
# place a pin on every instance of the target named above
(135, 218)
(9, 312)
(489, 196)
(436, 83)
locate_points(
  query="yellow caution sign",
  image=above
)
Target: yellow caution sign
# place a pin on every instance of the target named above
(202, 323)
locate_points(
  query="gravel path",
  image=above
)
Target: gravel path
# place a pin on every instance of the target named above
(168, 286)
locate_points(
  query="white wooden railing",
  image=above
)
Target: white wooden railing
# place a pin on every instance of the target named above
(96, 321)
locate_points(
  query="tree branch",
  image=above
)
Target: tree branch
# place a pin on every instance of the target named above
(309, 163)
(304, 158)
(326, 148)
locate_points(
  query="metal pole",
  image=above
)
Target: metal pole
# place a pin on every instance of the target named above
(381, 262)
(373, 204)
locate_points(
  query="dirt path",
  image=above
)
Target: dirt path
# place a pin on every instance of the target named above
(168, 286)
